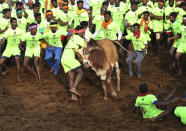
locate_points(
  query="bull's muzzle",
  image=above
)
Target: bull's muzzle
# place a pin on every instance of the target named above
(86, 64)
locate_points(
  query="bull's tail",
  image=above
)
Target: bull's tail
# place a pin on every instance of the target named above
(116, 42)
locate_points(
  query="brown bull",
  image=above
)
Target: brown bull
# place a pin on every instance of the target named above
(102, 57)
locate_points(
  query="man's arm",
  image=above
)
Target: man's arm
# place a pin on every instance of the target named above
(2, 41)
(177, 36)
(2, 31)
(134, 109)
(20, 45)
(119, 35)
(95, 34)
(62, 23)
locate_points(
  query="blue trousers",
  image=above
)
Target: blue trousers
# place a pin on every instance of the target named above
(49, 54)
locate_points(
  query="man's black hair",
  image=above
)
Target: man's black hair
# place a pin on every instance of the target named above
(134, 3)
(37, 14)
(53, 23)
(107, 13)
(174, 14)
(6, 10)
(136, 24)
(84, 23)
(19, 3)
(80, 1)
(143, 88)
(105, 3)
(79, 27)
(146, 12)
(12, 19)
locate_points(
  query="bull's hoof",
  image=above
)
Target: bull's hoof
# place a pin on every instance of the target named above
(118, 89)
(105, 98)
(114, 94)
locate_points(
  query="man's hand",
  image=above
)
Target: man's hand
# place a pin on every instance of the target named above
(152, 120)
(168, 41)
(6, 28)
(175, 99)
(54, 18)
(23, 9)
(123, 38)
(20, 47)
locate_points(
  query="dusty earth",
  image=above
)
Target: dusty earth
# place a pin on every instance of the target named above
(25, 107)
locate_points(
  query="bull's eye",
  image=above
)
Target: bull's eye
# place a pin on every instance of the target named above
(86, 52)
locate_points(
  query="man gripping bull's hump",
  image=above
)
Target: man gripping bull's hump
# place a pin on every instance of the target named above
(70, 64)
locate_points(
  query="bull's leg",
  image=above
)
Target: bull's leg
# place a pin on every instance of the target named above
(117, 75)
(109, 81)
(104, 89)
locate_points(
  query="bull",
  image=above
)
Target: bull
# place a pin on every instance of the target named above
(102, 57)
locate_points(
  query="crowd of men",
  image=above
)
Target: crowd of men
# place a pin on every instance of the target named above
(54, 30)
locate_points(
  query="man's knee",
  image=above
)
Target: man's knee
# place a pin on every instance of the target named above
(178, 56)
(128, 60)
(25, 64)
(138, 61)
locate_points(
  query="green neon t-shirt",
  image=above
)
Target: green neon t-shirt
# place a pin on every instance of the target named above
(32, 41)
(150, 25)
(55, 11)
(54, 39)
(96, 5)
(180, 111)
(111, 31)
(142, 9)
(148, 108)
(3, 6)
(3, 23)
(74, 43)
(169, 10)
(72, 8)
(183, 34)
(79, 18)
(138, 43)
(131, 17)
(181, 14)
(117, 14)
(158, 24)
(124, 6)
(65, 17)
(45, 25)
(175, 27)
(22, 23)
(13, 37)
(98, 22)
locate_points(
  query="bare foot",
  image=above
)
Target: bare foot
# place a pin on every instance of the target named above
(4, 73)
(19, 80)
(180, 72)
(38, 80)
(75, 92)
(74, 98)
(105, 98)
(52, 70)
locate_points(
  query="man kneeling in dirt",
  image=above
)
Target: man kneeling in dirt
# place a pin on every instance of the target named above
(149, 102)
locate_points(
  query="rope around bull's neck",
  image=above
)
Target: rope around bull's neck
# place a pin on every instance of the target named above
(121, 46)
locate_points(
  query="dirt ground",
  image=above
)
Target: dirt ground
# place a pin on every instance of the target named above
(24, 107)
